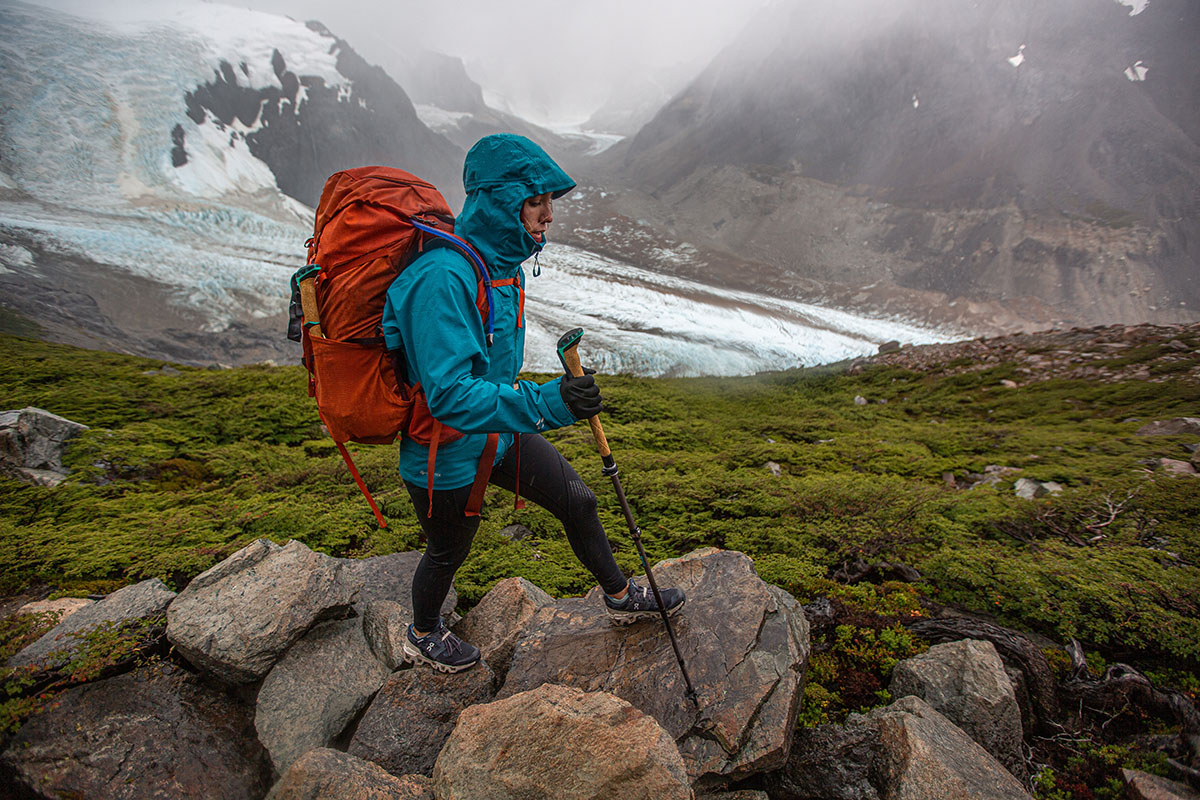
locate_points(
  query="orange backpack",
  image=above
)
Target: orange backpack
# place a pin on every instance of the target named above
(371, 222)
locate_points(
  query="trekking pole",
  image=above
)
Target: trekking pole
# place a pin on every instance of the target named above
(569, 356)
(306, 280)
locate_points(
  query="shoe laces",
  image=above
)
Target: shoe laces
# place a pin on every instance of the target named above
(450, 641)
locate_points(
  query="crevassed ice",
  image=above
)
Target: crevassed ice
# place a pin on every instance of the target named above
(123, 80)
(221, 234)
(644, 323)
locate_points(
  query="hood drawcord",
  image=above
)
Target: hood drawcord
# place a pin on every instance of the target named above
(537, 266)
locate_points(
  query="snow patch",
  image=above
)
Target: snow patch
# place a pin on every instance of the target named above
(1137, 72)
(1135, 6)
(220, 162)
(916, 101)
(1019, 58)
(15, 256)
(439, 119)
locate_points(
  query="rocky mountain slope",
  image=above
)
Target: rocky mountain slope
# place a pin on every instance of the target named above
(1041, 156)
(305, 129)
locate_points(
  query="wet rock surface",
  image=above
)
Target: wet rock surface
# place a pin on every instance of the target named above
(560, 742)
(925, 756)
(966, 682)
(745, 645)
(237, 619)
(32, 442)
(315, 690)
(152, 733)
(141, 601)
(324, 774)
(408, 722)
(495, 624)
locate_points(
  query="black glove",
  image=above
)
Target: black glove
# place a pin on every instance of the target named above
(581, 394)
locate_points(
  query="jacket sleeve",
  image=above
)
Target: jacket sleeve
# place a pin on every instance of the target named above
(432, 308)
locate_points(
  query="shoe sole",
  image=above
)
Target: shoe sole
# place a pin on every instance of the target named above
(618, 617)
(414, 656)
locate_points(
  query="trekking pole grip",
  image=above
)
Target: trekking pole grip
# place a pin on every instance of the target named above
(569, 354)
(306, 279)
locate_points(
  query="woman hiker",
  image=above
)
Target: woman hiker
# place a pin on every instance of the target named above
(472, 387)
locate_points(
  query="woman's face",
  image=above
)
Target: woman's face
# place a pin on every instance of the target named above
(537, 213)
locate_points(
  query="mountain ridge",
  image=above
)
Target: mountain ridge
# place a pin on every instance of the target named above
(997, 152)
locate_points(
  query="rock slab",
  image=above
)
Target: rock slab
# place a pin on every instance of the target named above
(315, 690)
(32, 441)
(61, 608)
(146, 734)
(966, 682)
(500, 618)
(324, 774)
(830, 762)
(1179, 426)
(906, 751)
(140, 601)
(1144, 786)
(408, 722)
(561, 743)
(745, 645)
(389, 578)
(924, 756)
(385, 624)
(237, 619)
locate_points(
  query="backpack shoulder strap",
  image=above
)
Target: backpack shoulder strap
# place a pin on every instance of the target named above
(468, 252)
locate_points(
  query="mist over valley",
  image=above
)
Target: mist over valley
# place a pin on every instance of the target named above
(921, 171)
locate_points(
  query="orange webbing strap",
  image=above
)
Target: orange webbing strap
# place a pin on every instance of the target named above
(432, 462)
(362, 487)
(520, 298)
(475, 500)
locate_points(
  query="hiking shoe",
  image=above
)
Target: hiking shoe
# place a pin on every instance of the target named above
(640, 604)
(440, 649)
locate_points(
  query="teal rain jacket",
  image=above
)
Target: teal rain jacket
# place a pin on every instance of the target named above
(431, 314)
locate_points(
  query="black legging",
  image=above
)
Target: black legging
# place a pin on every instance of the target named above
(546, 479)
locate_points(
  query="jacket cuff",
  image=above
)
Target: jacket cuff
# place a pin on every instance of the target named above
(556, 410)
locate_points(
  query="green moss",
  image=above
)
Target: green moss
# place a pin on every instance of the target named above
(178, 471)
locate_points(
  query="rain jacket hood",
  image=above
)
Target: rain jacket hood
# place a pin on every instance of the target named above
(500, 173)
